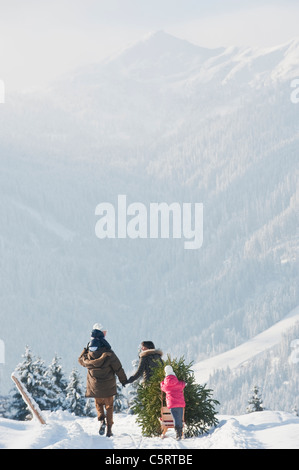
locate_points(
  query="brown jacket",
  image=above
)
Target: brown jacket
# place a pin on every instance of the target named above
(102, 365)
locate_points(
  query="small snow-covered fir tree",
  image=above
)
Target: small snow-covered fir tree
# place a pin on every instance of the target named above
(33, 374)
(89, 409)
(43, 391)
(4, 403)
(75, 397)
(255, 401)
(59, 382)
(18, 409)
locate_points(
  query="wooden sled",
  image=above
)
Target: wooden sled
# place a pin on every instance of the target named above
(166, 421)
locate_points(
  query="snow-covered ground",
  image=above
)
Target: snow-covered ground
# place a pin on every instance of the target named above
(260, 430)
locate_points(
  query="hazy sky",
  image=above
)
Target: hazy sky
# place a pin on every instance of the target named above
(42, 39)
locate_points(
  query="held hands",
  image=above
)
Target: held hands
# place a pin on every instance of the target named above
(128, 381)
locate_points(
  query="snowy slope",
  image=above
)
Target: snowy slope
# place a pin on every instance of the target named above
(260, 430)
(238, 356)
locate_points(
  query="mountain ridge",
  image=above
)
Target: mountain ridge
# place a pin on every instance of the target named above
(168, 56)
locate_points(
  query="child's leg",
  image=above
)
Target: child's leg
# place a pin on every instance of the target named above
(177, 414)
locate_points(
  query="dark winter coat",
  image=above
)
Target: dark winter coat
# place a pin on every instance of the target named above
(148, 360)
(102, 365)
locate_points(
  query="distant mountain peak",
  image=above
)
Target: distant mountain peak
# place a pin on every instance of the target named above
(161, 57)
(157, 34)
(160, 54)
(166, 40)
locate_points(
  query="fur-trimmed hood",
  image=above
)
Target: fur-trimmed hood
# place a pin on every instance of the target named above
(148, 352)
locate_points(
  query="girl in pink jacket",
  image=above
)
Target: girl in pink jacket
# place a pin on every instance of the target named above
(175, 400)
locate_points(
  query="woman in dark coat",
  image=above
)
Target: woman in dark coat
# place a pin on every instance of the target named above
(149, 357)
(102, 365)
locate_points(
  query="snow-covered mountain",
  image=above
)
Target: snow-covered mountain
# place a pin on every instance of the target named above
(240, 355)
(162, 121)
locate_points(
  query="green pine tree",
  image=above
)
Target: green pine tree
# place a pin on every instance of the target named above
(200, 414)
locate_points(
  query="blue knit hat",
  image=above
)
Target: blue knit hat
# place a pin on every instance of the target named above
(97, 339)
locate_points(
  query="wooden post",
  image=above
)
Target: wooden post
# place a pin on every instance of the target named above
(28, 400)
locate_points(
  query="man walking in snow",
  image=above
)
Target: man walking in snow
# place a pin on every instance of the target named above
(102, 365)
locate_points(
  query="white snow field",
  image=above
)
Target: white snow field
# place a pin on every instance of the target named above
(259, 430)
